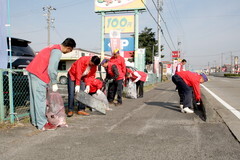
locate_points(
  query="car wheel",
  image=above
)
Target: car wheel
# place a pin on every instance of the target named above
(63, 80)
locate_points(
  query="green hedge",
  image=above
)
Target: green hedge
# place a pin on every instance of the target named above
(231, 75)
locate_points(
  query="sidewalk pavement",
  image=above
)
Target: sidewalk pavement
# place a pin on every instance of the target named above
(147, 128)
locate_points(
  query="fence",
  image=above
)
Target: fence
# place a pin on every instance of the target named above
(14, 93)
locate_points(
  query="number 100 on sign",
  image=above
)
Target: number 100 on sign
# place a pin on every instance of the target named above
(123, 23)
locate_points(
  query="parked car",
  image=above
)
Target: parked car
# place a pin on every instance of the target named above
(22, 53)
(62, 76)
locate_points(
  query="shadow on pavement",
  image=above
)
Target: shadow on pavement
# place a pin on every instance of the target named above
(167, 105)
(160, 89)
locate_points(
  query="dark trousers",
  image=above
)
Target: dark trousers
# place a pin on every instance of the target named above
(71, 94)
(139, 86)
(116, 87)
(184, 91)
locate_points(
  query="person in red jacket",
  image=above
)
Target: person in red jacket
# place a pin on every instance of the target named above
(119, 61)
(116, 77)
(94, 84)
(186, 81)
(139, 78)
(84, 67)
(42, 71)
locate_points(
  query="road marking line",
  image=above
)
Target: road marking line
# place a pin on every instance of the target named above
(225, 104)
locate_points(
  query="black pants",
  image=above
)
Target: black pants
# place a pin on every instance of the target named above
(139, 85)
(184, 91)
(116, 87)
(71, 94)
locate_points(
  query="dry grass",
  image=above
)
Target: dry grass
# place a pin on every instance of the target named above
(7, 125)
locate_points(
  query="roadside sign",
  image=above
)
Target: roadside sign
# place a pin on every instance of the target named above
(127, 44)
(123, 23)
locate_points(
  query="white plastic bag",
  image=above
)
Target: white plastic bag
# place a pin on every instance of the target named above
(102, 97)
(131, 91)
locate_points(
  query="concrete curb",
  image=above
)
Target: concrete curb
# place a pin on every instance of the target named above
(215, 112)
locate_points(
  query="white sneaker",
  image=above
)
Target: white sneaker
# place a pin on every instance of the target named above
(181, 107)
(187, 110)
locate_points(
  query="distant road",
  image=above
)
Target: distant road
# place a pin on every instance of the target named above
(228, 89)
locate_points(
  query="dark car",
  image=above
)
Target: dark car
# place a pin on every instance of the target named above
(22, 53)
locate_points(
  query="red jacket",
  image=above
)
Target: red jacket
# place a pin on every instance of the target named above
(120, 62)
(110, 72)
(39, 65)
(142, 74)
(94, 84)
(193, 80)
(78, 68)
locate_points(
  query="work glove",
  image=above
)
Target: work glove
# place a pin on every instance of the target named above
(135, 81)
(77, 88)
(110, 81)
(54, 88)
(87, 89)
(98, 92)
(198, 103)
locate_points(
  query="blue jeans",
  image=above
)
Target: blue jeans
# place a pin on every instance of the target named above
(71, 94)
(185, 92)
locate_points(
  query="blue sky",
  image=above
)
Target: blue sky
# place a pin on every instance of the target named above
(206, 28)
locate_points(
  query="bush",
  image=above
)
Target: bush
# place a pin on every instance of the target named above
(231, 75)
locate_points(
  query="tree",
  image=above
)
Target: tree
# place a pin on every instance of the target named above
(147, 40)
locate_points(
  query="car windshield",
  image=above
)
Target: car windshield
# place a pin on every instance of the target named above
(21, 48)
(22, 51)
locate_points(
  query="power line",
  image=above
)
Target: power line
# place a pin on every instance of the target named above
(173, 14)
(158, 10)
(158, 25)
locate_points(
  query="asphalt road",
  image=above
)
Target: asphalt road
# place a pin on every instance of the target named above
(150, 128)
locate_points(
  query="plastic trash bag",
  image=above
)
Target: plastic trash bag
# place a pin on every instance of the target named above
(131, 91)
(55, 111)
(102, 97)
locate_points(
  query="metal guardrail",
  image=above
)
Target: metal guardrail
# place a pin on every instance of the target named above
(14, 93)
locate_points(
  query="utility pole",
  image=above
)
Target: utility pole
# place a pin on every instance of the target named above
(231, 62)
(221, 62)
(50, 20)
(159, 6)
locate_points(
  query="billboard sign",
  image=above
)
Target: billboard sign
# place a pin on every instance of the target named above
(127, 44)
(175, 54)
(123, 23)
(118, 5)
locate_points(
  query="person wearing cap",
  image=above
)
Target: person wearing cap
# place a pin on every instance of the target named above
(119, 61)
(43, 71)
(139, 78)
(116, 86)
(84, 67)
(186, 81)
